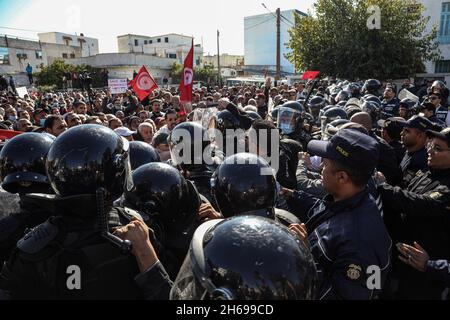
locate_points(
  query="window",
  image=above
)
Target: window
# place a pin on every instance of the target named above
(4, 56)
(172, 55)
(166, 39)
(64, 55)
(150, 41)
(72, 56)
(159, 39)
(145, 42)
(136, 42)
(21, 55)
(38, 54)
(442, 66)
(444, 28)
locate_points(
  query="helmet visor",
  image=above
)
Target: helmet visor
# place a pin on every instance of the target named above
(287, 120)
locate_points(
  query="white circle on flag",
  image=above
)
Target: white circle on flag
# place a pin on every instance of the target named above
(144, 82)
(188, 76)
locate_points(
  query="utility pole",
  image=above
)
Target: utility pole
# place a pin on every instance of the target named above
(218, 60)
(278, 76)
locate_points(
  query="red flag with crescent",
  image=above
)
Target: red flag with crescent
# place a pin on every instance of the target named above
(143, 84)
(187, 79)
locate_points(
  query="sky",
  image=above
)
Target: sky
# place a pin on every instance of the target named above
(105, 20)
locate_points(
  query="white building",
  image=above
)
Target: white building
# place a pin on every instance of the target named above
(226, 60)
(260, 42)
(15, 54)
(172, 46)
(89, 46)
(439, 13)
(123, 65)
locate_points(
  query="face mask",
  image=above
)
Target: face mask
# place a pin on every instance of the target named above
(286, 128)
(12, 118)
(42, 122)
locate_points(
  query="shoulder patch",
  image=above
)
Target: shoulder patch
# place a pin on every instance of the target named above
(354, 272)
(38, 238)
(435, 195)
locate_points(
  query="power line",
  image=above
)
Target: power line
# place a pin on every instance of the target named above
(259, 24)
(289, 21)
(283, 17)
(20, 29)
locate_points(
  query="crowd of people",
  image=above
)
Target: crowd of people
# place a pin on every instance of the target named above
(171, 196)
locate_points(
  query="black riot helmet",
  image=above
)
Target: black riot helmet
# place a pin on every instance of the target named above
(372, 98)
(190, 146)
(244, 184)
(372, 86)
(315, 105)
(161, 192)
(245, 258)
(330, 115)
(254, 115)
(226, 120)
(86, 158)
(22, 163)
(289, 117)
(142, 153)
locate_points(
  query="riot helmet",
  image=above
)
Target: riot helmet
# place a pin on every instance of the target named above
(22, 163)
(330, 115)
(86, 158)
(372, 86)
(142, 153)
(245, 258)
(241, 186)
(190, 146)
(162, 193)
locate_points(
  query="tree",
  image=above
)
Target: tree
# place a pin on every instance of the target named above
(204, 74)
(53, 74)
(337, 39)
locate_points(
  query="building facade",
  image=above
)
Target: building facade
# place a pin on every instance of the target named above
(123, 65)
(172, 46)
(226, 61)
(15, 54)
(439, 13)
(88, 46)
(260, 42)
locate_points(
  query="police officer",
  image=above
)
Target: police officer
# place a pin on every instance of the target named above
(193, 154)
(169, 205)
(245, 185)
(221, 264)
(390, 104)
(346, 232)
(22, 171)
(142, 153)
(88, 167)
(372, 86)
(391, 130)
(441, 112)
(407, 108)
(414, 139)
(423, 215)
(261, 141)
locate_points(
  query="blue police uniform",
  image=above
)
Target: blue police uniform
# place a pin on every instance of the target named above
(391, 108)
(348, 238)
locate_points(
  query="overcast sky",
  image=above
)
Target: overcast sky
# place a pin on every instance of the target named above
(106, 20)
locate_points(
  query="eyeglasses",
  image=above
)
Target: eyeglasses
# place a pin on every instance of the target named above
(431, 147)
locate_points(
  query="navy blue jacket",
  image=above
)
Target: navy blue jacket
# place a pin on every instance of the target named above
(346, 237)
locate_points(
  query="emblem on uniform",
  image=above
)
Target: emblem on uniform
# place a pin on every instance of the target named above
(354, 272)
(435, 195)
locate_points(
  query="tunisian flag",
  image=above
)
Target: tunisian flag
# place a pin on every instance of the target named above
(143, 84)
(7, 134)
(311, 75)
(187, 79)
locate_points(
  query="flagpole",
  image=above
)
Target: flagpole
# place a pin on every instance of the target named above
(218, 60)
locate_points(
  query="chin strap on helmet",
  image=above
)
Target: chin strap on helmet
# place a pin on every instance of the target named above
(124, 245)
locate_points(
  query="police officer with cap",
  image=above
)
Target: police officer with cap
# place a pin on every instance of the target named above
(391, 130)
(414, 139)
(423, 215)
(346, 231)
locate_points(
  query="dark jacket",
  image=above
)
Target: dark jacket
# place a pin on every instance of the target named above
(347, 238)
(420, 214)
(412, 163)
